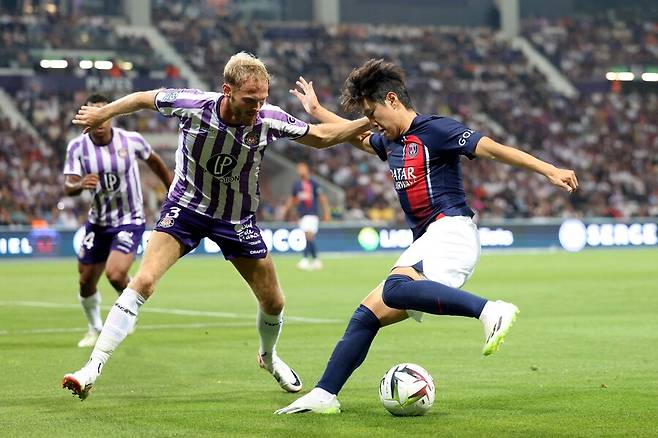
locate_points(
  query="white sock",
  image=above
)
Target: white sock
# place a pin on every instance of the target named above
(117, 324)
(269, 327)
(91, 306)
(486, 310)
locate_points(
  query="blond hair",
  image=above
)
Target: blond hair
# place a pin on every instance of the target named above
(243, 65)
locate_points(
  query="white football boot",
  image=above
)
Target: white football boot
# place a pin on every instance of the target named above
(304, 264)
(90, 338)
(317, 401)
(81, 382)
(316, 264)
(497, 318)
(282, 373)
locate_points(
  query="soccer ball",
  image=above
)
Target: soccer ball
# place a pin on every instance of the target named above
(407, 389)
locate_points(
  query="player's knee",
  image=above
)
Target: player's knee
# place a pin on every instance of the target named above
(393, 292)
(87, 288)
(272, 304)
(117, 278)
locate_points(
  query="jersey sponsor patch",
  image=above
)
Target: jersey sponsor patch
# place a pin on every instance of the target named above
(221, 165)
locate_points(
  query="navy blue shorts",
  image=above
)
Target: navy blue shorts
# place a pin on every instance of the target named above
(99, 241)
(189, 228)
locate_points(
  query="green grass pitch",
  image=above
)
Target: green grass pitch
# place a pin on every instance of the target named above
(582, 359)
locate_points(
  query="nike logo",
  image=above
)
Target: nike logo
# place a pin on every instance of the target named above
(496, 327)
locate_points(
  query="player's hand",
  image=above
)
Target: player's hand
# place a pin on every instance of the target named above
(89, 181)
(306, 96)
(326, 218)
(89, 117)
(563, 178)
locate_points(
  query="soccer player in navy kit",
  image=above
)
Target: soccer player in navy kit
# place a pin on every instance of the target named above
(104, 161)
(423, 152)
(308, 196)
(215, 194)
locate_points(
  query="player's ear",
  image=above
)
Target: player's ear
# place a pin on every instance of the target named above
(392, 99)
(226, 89)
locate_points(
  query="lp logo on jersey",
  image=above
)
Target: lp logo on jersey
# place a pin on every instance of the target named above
(221, 164)
(110, 182)
(412, 150)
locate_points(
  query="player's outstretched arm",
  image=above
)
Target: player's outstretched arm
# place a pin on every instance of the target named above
(563, 178)
(328, 134)
(90, 117)
(312, 106)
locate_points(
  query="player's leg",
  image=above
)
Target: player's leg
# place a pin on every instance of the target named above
(310, 228)
(304, 264)
(161, 253)
(90, 300)
(93, 253)
(446, 255)
(349, 353)
(261, 276)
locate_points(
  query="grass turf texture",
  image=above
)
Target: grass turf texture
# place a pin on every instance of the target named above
(580, 361)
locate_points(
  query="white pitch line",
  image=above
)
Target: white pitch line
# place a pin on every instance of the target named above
(140, 327)
(183, 312)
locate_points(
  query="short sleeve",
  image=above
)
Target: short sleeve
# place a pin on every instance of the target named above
(377, 143)
(452, 136)
(181, 102)
(281, 124)
(72, 165)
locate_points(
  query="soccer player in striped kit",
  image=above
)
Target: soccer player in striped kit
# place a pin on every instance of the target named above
(423, 153)
(104, 160)
(308, 196)
(222, 140)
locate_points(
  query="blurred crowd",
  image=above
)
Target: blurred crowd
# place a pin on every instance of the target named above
(27, 39)
(610, 139)
(585, 48)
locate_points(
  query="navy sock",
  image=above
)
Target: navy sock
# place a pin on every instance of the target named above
(310, 244)
(351, 350)
(401, 292)
(306, 251)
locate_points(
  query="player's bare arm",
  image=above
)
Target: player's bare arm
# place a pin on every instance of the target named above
(328, 134)
(158, 167)
(90, 117)
(75, 184)
(312, 106)
(563, 178)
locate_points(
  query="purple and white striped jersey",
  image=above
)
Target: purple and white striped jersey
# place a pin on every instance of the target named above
(217, 164)
(118, 195)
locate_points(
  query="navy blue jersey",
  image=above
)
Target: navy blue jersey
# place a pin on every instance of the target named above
(306, 193)
(424, 163)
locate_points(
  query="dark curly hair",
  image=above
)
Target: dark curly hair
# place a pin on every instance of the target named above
(373, 81)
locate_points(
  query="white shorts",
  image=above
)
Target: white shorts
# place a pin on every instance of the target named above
(449, 251)
(309, 223)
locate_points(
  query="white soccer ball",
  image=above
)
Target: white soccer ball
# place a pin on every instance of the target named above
(407, 389)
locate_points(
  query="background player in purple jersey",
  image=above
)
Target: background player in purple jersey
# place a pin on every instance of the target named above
(423, 153)
(307, 196)
(104, 160)
(215, 194)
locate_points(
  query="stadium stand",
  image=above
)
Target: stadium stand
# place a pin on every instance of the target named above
(609, 137)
